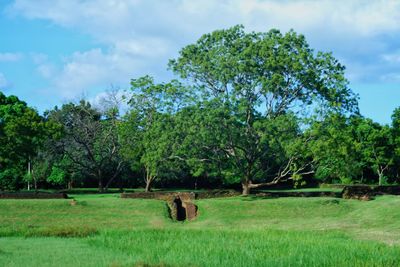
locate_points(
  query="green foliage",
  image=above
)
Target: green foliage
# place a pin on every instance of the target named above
(89, 142)
(254, 78)
(346, 148)
(57, 176)
(376, 146)
(252, 108)
(148, 132)
(334, 149)
(247, 68)
(22, 132)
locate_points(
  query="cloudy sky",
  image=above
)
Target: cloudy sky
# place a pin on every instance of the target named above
(52, 51)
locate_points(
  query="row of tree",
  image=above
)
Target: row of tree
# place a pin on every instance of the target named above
(250, 109)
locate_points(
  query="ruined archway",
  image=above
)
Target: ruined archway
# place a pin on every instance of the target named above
(181, 208)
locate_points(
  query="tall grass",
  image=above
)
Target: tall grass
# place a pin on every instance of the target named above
(178, 247)
(247, 248)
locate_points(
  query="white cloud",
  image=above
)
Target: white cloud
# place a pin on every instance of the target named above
(392, 57)
(391, 77)
(10, 57)
(141, 35)
(4, 84)
(99, 69)
(129, 16)
(46, 70)
(39, 58)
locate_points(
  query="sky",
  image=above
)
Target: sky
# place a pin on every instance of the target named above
(55, 51)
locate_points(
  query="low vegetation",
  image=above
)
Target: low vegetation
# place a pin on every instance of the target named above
(237, 231)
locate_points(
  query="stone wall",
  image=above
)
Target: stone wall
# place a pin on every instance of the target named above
(191, 195)
(31, 195)
(368, 192)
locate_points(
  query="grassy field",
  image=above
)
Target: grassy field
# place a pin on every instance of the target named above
(104, 230)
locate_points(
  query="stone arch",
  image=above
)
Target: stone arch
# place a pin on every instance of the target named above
(181, 207)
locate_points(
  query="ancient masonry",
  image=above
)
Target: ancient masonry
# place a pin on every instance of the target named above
(180, 204)
(181, 207)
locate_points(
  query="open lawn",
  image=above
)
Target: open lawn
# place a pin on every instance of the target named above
(104, 230)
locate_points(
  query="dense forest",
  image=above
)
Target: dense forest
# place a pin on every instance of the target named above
(247, 110)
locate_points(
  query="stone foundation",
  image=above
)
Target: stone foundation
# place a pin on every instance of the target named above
(33, 195)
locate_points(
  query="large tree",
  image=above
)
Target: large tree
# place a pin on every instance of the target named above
(376, 145)
(148, 132)
(22, 131)
(89, 140)
(257, 77)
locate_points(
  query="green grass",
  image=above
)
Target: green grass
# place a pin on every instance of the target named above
(104, 230)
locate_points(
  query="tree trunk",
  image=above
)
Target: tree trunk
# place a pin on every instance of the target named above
(115, 175)
(246, 188)
(149, 179)
(101, 188)
(69, 186)
(380, 178)
(100, 179)
(29, 173)
(121, 185)
(148, 186)
(380, 175)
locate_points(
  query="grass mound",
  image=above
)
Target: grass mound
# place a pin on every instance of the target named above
(238, 231)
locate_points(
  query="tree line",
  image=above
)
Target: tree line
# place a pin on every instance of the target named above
(247, 109)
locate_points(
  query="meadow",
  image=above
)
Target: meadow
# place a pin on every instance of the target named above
(105, 230)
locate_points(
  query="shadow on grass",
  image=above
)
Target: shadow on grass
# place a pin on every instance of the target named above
(36, 231)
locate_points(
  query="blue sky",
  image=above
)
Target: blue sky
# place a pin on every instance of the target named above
(54, 51)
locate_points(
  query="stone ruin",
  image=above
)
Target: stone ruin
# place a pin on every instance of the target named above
(181, 207)
(180, 204)
(368, 192)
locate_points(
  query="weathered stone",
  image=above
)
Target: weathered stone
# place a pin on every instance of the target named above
(185, 196)
(299, 194)
(366, 192)
(191, 210)
(181, 207)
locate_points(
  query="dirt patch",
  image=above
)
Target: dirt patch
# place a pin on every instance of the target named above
(33, 195)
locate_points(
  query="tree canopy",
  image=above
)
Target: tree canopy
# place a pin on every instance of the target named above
(255, 78)
(22, 131)
(246, 110)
